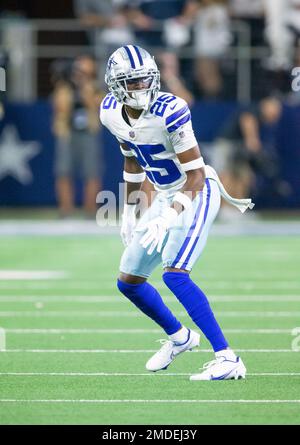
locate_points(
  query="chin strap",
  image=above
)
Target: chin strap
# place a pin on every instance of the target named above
(241, 204)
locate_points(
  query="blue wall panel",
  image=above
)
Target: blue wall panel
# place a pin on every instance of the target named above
(33, 123)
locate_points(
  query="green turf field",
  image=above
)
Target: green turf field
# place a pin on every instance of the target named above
(76, 349)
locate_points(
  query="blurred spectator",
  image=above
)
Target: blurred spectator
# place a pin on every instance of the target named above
(252, 13)
(278, 35)
(163, 27)
(171, 80)
(244, 8)
(3, 81)
(282, 31)
(107, 23)
(212, 39)
(246, 149)
(294, 26)
(153, 20)
(76, 126)
(282, 34)
(1, 107)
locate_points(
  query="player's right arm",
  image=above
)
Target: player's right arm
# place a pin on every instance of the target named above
(133, 176)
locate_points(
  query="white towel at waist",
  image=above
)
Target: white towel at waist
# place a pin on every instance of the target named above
(241, 204)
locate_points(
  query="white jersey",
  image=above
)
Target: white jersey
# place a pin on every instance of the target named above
(155, 138)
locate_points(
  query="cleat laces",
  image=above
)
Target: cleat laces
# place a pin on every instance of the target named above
(167, 346)
(166, 343)
(208, 365)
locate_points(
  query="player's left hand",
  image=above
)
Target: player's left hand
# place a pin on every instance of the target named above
(157, 229)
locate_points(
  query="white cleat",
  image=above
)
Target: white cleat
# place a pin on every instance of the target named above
(222, 369)
(167, 353)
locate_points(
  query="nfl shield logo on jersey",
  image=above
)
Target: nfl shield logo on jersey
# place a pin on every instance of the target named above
(132, 134)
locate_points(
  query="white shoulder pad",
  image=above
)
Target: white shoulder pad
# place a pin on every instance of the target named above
(177, 115)
(178, 125)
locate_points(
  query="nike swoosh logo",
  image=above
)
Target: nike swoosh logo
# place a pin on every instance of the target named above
(222, 377)
(172, 108)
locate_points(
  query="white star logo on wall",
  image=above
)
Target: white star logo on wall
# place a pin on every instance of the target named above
(15, 155)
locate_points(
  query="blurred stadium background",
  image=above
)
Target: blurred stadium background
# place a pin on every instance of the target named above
(233, 61)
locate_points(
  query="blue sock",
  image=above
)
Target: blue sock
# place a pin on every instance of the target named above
(197, 306)
(148, 300)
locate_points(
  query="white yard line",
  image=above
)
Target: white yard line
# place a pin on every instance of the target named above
(127, 374)
(31, 275)
(244, 285)
(131, 351)
(134, 331)
(170, 401)
(48, 228)
(119, 299)
(132, 314)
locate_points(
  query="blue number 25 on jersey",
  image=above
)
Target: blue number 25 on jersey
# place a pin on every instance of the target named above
(159, 171)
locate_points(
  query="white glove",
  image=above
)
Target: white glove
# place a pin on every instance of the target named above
(128, 223)
(157, 229)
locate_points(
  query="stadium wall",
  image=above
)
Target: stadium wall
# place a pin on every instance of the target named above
(27, 123)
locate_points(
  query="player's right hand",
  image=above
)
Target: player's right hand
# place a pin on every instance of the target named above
(128, 223)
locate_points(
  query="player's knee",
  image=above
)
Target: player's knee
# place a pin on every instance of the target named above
(174, 269)
(132, 290)
(131, 279)
(175, 277)
(129, 284)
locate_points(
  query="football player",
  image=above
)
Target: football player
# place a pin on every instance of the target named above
(157, 140)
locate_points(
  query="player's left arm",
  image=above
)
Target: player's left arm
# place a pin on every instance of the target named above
(186, 148)
(193, 165)
(184, 143)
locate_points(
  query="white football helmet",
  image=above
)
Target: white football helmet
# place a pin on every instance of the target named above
(133, 77)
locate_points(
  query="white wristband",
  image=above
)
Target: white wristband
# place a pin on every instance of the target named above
(126, 153)
(193, 165)
(183, 199)
(134, 177)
